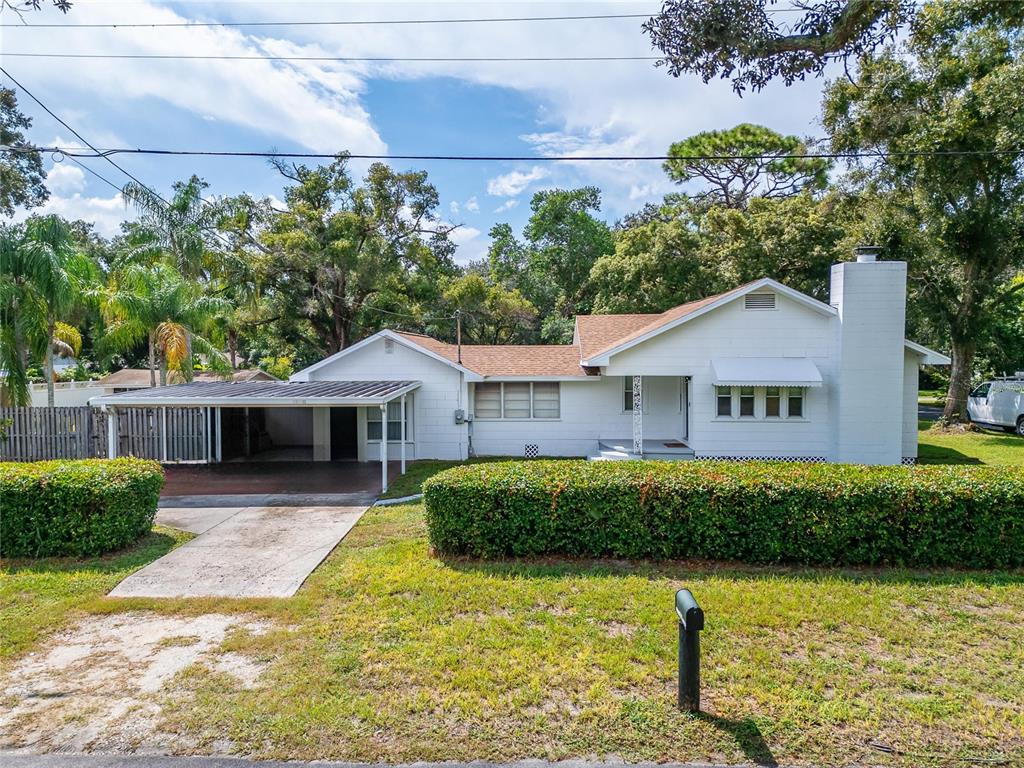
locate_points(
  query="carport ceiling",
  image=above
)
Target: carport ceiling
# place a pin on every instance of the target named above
(244, 394)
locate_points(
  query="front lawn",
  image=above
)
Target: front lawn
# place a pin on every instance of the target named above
(39, 596)
(399, 656)
(985, 447)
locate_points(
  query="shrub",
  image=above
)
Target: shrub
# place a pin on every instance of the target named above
(76, 507)
(756, 512)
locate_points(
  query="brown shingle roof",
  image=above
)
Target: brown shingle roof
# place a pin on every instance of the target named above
(595, 335)
(653, 322)
(509, 359)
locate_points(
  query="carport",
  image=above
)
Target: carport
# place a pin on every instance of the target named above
(223, 406)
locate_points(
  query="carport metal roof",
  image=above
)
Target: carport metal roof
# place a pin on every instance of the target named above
(242, 394)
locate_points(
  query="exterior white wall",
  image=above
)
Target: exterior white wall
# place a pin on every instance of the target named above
(871, 299)
(911, 371)
(790, 330)
(321, 434)
(591, 410)
(66, 393)
(435, 433)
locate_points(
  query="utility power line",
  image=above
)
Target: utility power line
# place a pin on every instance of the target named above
(85, 141)
(355, 22)
(339, 59)
(78, 152)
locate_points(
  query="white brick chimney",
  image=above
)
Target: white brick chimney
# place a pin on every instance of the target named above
(871, 297)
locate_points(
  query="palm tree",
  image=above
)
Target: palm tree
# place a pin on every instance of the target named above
(157, 305)
(42, 278)
(176, 231)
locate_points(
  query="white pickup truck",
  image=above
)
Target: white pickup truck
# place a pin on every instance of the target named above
(999, 403)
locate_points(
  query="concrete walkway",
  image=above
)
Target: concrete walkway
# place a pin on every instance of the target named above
(253, 551)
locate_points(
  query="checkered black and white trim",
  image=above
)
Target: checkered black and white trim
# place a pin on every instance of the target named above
(801, 459)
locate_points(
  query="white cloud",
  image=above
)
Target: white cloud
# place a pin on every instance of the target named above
(453, 206)
(472, 205)
(65, 178)
(511, 184)
(469, 245)
(106, 213)
(508, 205)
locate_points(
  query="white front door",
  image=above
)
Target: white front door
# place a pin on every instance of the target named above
(684, 406)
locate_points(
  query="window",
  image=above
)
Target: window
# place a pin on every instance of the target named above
(796, 404)
(516, 400)
(394, 421)
(981, 391)
(724, 401)
(487, 404)
(627, 393)
(772, 403)
(747, 401)
(545, 400)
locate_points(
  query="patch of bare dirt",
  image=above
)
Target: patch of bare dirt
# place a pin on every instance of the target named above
(97, 686)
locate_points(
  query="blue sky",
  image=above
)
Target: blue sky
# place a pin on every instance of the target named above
(401, 108)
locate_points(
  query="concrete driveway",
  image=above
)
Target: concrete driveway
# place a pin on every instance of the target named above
(255, 551)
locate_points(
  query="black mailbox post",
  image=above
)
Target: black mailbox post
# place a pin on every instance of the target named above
(691, 622)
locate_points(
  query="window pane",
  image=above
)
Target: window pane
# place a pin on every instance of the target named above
(772, 402)
(395, 430)
(796, 403)
(746, 401)
(545, 400)
(487, 402)
(372, 427)
(724, 401)
(517, 401)
(627, 393)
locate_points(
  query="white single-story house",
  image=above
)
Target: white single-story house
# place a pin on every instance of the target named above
(761, 371)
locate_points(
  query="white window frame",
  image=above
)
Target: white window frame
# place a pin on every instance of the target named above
(501, 402)
(373, 416)
(761, 403)
(627, 388)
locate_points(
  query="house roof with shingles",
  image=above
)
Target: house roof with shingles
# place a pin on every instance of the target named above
(526, 360)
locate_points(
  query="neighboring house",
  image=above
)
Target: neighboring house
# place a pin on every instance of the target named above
(761, 371)
(76, 393)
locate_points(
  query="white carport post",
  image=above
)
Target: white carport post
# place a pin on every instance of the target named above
(383, 447)
(403, 434)
(111, 433)
(638, 416)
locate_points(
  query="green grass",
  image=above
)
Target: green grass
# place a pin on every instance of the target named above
(936, 397)
(985, 447)
(399, 656)
(40, 596)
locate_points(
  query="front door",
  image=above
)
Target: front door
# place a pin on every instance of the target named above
(684, 406)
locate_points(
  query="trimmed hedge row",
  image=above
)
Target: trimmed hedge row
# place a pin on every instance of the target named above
(756, 512)
(76, 507)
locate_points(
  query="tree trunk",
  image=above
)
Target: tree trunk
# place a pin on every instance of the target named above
(188, 371)
(959, 380)
(152, 360)
(48, 361)
(163, 371)
(233, 347)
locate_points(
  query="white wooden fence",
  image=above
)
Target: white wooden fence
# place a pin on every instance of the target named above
(163, 434)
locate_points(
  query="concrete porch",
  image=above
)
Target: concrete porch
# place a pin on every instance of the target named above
(622, 450)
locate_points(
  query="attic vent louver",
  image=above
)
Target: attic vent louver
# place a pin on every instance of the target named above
(389, 346)
(759, 301)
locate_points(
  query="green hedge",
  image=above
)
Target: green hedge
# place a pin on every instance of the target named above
(76, 507)
(756, 512)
